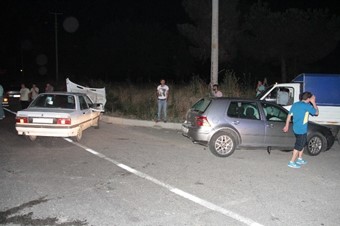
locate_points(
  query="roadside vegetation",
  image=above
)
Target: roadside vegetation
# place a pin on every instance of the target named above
(139, 101)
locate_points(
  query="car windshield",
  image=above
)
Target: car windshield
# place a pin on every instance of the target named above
(201, 105)
(54, 101)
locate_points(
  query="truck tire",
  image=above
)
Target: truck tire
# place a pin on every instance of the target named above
(222, 144)
(316, 143)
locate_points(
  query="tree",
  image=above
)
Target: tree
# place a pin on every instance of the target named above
(299, 36)
(198, 31)
(138, 51)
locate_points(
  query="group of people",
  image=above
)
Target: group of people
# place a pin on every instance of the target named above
(28, 95)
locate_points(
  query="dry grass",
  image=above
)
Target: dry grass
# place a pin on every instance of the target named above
(140, 101)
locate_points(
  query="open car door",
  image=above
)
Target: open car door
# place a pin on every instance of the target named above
(97, 95)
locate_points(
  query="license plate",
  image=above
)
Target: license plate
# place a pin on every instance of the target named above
(43, 120)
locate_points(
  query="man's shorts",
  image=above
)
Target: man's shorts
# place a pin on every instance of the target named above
(300, 142)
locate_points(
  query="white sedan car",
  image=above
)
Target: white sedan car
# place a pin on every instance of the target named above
(58, 114)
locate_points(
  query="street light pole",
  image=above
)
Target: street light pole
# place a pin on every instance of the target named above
(214, 44)
(56, 45)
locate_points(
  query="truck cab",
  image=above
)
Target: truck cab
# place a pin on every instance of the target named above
(324, 86)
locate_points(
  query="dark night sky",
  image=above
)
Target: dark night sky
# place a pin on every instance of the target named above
(28, 28)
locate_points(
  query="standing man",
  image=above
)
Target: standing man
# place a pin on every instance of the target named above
(24, 96)
(259, 88)
(300, 112)
(162, 94)
(49, 88)
(34, 92)
(216, 92)
(2, 113)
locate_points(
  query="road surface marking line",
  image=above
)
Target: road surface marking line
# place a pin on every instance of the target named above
(13, 112)
(172, 189)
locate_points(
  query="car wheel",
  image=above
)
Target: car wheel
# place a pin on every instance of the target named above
(79, 135)
(316, 143)
(222, 144)
(31, 138)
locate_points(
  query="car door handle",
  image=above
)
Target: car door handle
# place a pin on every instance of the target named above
(236, 122)
(270, 125)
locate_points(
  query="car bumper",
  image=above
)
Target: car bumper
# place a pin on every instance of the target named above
(198, 135)
(47, 132)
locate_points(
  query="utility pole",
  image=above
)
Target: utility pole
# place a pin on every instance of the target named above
(56, 45)
(214, 44)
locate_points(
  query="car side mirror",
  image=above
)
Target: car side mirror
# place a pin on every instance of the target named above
(97, 107)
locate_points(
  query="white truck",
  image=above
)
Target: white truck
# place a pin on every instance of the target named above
(326, 88)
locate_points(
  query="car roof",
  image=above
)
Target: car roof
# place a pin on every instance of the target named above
(240, 99)
(246, 99)
(65, 93)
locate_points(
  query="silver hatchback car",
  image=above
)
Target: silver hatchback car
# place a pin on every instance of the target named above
(224, 124)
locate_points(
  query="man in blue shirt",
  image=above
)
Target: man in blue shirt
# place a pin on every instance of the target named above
(300, 112)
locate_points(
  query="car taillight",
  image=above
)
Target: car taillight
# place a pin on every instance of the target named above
(21, 119)
(202, 121)
(64, 121)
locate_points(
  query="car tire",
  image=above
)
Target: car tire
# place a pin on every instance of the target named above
(222, 144)
(316, 143)
(79, 135)
(30, 137)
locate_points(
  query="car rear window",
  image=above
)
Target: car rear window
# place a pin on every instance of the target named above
(201, 105)
(54, 101)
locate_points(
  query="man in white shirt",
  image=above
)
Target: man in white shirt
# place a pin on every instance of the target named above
(24, 96)
(282, 97)
(34, 91)
(216, 92)
(162, 94)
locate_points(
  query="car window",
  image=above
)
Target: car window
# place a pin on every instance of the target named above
(281, 95)
(88, 100)
(201, 105)
(242, 109)
(83, 104)
(70, 102)
(54, 101)
(274, 113)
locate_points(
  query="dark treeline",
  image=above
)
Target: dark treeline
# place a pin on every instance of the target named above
(142, 41)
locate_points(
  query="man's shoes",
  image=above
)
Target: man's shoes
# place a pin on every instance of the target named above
(300, 161)
(164, 121)
(294, 165)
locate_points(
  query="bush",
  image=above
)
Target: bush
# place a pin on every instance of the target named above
(140, 101)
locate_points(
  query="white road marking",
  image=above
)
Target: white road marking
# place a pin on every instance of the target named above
(13, 112)
(172, 189)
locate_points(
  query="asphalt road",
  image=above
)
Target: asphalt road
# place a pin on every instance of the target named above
(125, 175)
